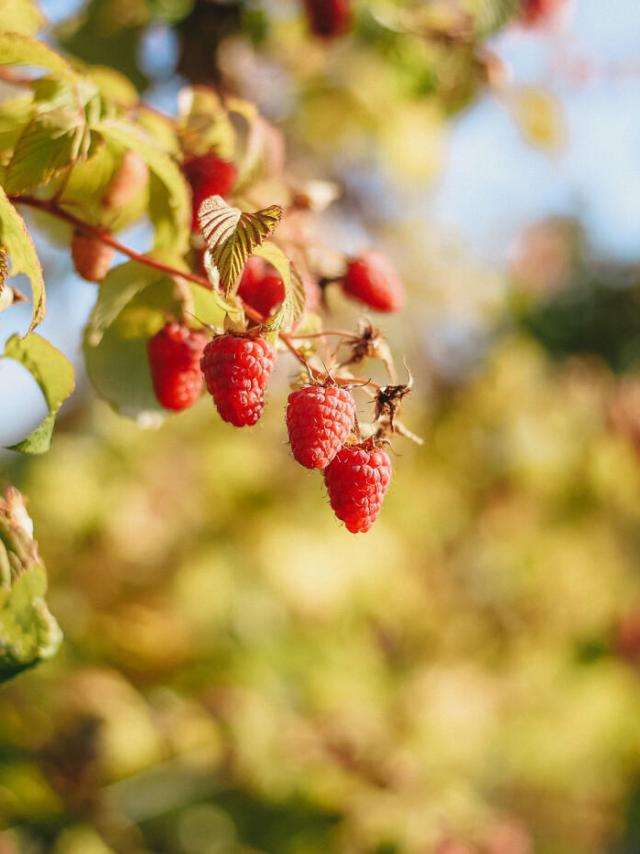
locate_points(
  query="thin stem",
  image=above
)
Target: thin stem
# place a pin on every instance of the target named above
(53, 209)
(93, 231)
(342, 333)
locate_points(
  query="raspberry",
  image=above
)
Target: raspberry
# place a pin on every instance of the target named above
(91, 257)
(534, 13)
(328, 18)
(260, 286)
(372, 279)
(208, 175)
(129, 180)
(174, 359)
(357, 479)
(319, 420)
(236, 369)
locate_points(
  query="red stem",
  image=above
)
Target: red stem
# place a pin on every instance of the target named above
(53, 209)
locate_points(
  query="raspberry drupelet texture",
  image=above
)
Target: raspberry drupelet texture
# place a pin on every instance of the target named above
(208, 175)
(174, 359)
(319, 420)
(236, 369)
(357, 479)
(372, 279)
(261, 287)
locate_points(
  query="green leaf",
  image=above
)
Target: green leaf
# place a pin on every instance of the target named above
(56, 135)
(204, 123)
(17, 242)
(21, 16)
(55, 376)
(170, 203)
(134, 302)
(28, 631)
(292, 307)
(232, 236)
(15, 115)
(491, 15)
(16, 49)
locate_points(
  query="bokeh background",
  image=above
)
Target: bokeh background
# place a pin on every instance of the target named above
(240, 674)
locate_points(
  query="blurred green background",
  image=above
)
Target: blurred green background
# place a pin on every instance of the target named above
(240, 674)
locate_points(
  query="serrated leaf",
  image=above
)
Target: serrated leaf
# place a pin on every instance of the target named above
(56, 136)
(17, 49)
(18, 244)
(292, 307)
(4, 265)
(134, 301)
(54, 374)
(169, 203)
(232, 236)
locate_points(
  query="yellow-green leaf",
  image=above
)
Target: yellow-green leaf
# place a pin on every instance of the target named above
(55, 376)
(292, 307)
(18, 244)
(16, 49)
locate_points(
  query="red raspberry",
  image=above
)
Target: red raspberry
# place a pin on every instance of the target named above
(357, 479)
(372, 279)
(328, 18)
(319, 420)
(236, 369)
(208, 175)
(261, 287)
(174, 359)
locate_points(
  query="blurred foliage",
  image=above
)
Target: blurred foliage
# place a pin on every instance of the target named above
(239, 674)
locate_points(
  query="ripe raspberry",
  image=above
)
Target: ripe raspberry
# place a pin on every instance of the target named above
(357, 479)
(236, 369)
(174, 359)
(261, 287)
(91, 257)
(208, 175)
(328, 18)
(319, 420)
(372, 279)
(128, 181)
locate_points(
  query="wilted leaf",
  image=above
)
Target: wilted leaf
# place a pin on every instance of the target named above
(55, 376)
(17, 242)
(232, 236)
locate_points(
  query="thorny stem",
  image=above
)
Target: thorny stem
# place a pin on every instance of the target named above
(53, 209)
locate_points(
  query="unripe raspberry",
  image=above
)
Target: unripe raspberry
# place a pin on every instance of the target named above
(236, 369)
(129, 180)
(91, 257)
(261, 287)
(357, 479)
(319, 420)
(372, 279)
(174, 359)
(328, 18)
(208, 175)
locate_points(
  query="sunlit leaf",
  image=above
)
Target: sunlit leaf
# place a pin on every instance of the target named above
(18, 244)
(292, 307)
(55, 376)
(16, 49)
(232, 236)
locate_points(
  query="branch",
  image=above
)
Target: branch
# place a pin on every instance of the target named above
(50, 207)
